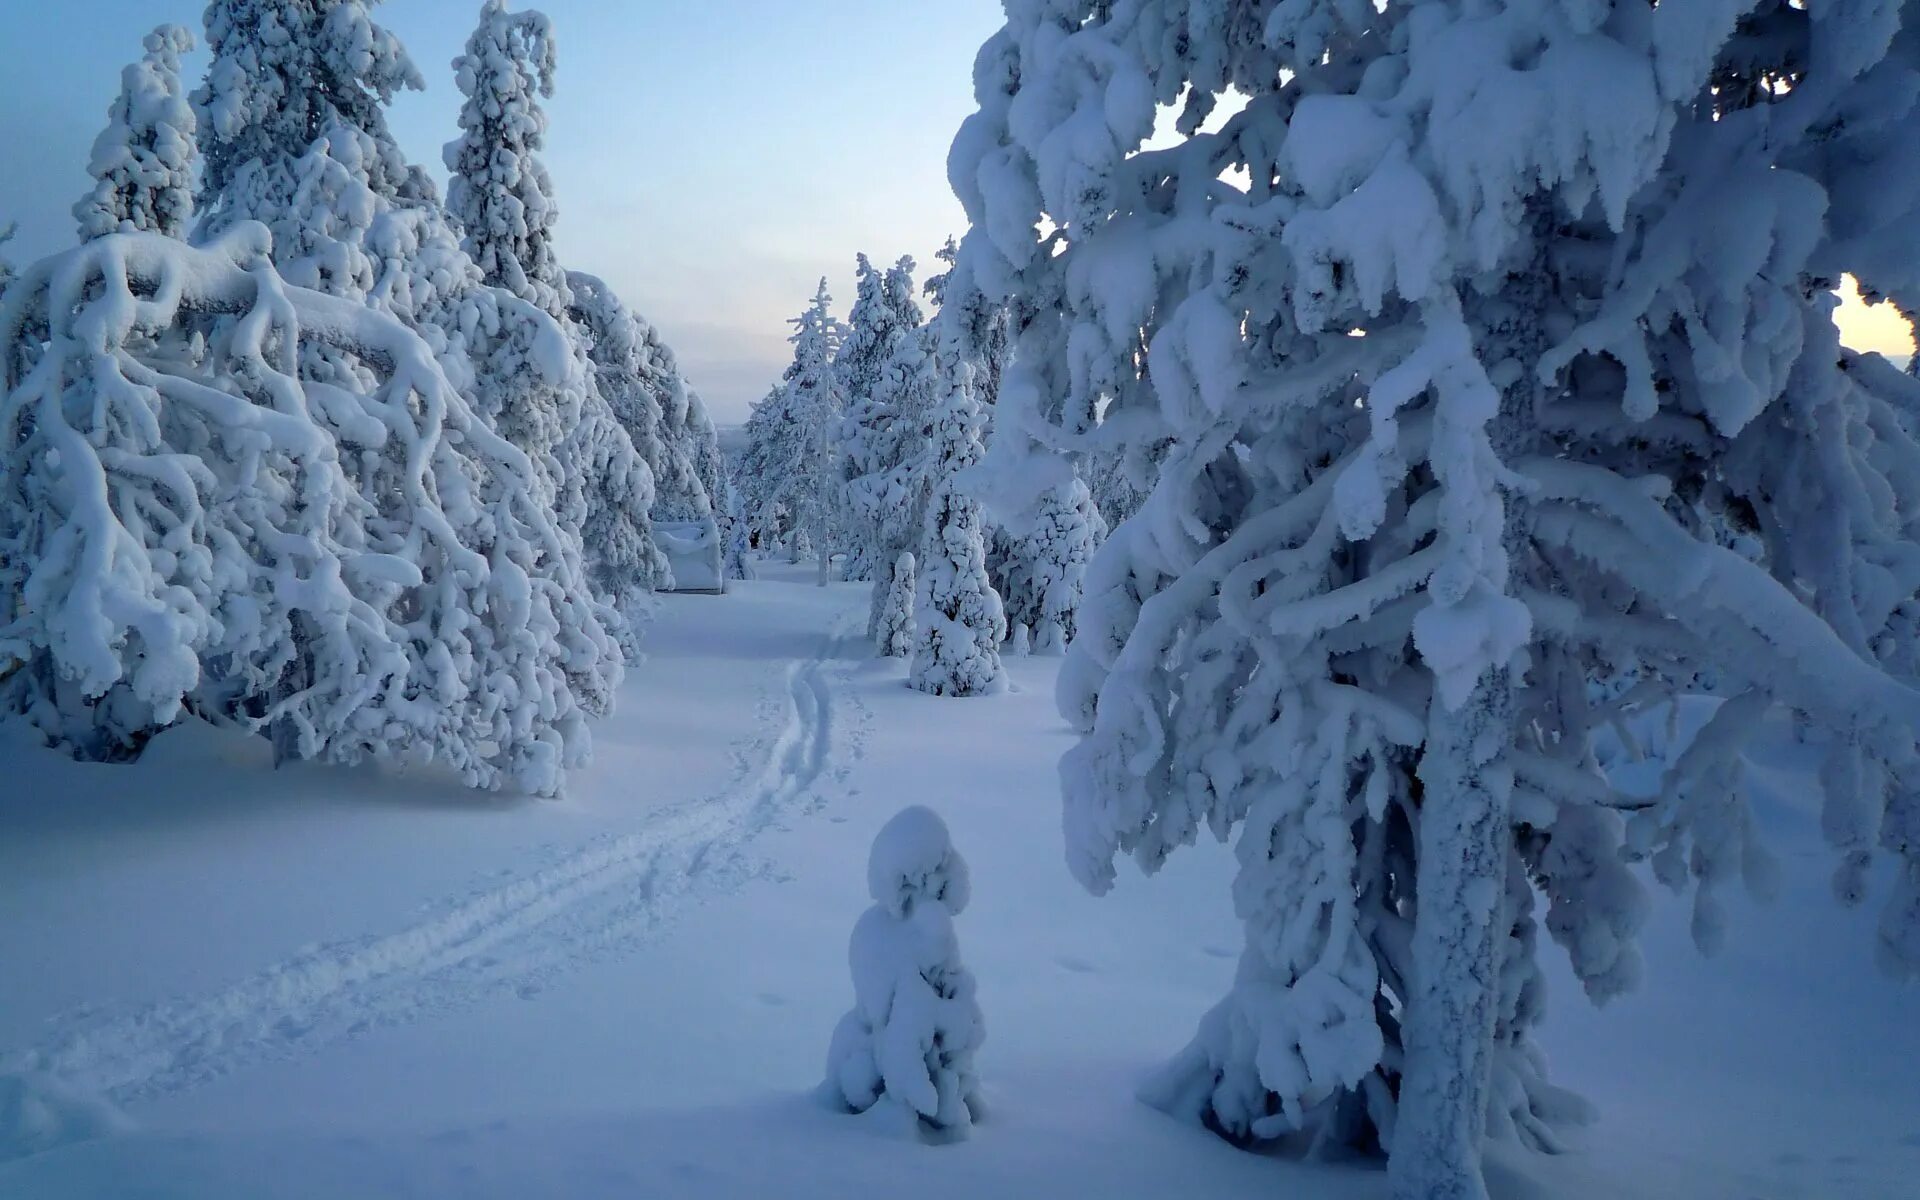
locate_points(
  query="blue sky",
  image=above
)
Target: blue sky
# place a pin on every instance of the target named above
(711, 160)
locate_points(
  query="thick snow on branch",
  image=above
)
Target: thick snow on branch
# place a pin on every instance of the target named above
(360, 564)
(1478, 364)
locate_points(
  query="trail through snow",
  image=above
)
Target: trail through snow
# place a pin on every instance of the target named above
(605, 896)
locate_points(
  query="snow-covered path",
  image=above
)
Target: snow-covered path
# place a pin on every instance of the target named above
(322, 983)
(606, 895)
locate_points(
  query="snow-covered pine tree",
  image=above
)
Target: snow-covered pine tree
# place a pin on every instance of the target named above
(736, 535)
(1444, 345)
(1054, 550)
(758, 479)
(890, 459)
(499, 190)
(502, 197)
(805, 473)
(893, 628)
(909, 1040)
(144, 160)
(884, 315)
(282, 72)
(709, 465)
(979, 324)
(615, 343)
(357, 562)
(665, 419)
(1042, 515)
(870, 334)
(958, 622)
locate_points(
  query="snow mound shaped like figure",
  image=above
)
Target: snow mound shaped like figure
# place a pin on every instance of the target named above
(915, 1026)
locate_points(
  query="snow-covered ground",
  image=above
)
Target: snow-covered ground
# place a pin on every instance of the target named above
(319, 982)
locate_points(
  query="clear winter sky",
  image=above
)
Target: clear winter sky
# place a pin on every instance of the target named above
(711, 160)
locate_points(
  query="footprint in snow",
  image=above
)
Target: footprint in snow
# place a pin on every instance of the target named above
(772, 999)
(1079, 966)
(1218, 951)
(1911, 1141)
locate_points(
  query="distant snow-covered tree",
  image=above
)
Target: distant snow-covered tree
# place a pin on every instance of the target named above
(803, 473)
(758, 481)
(1453, 354)
(884, 315)
(615, 343)
(958, 622)
(736, 534)
(144, 161)
(910, 1039)
(889, 458)
(499, 190)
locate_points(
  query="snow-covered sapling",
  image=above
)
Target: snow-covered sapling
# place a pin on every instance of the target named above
(893, 631)
(909, 1041)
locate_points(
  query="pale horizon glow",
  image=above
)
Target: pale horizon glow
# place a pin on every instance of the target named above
(710, 162)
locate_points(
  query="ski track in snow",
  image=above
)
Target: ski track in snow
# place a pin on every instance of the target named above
(604, 897)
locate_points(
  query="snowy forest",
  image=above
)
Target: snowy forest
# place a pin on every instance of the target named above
(1373, 581)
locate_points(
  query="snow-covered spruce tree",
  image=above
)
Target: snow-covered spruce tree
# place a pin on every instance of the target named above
(1445, 343)
(757, 481)
(356, 562)
(684, 427)
(894, 635)
(1058, 543)
(979, 325)
(806, 470)
(884, 315)
(664, 418)
(615, 342)
(958, 623)
(890, 458)
(908, 1042)
(499, 190)
(709, 465)
(283, 71)
(736, 534)
(502, 197)
(144, 160)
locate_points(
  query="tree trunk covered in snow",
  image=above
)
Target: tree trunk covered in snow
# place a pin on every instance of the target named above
(1449, 1015)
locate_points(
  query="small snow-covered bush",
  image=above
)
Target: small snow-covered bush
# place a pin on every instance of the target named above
(893, 624)
(910, 1038)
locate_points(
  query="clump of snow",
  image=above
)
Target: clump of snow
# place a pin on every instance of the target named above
(39, 1113)
(909, 1041)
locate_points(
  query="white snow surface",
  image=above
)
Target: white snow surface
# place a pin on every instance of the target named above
(223, 980)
